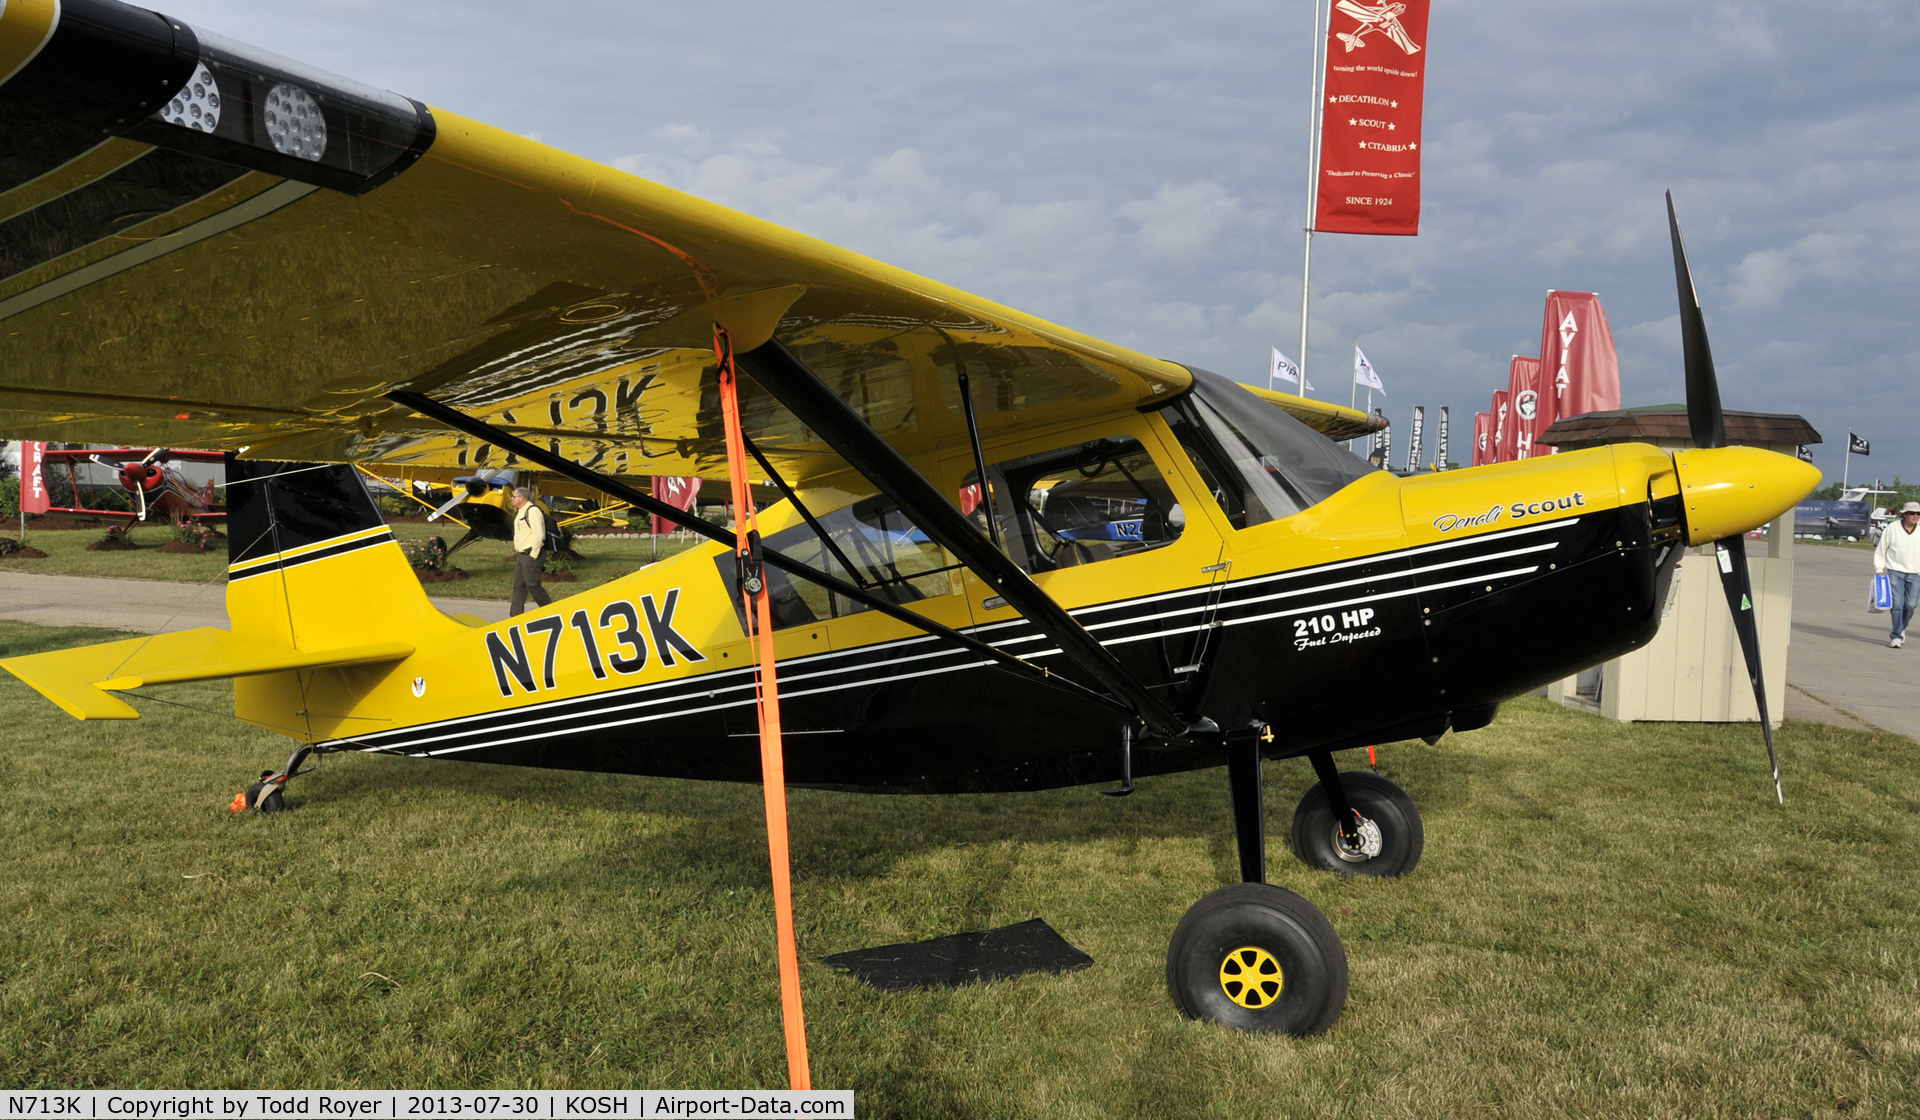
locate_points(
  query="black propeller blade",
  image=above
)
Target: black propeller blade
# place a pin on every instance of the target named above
(1709, 429)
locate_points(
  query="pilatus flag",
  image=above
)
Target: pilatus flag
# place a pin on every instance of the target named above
(680, 493)
(1440, 452)
(1482, 438)
(1500, 449)
(1857, 445)
(1370, 118)
(1580, 371)
(1414, 435)
(1523, 392)
(1364, 375)
(33, 480)
(1285, 370)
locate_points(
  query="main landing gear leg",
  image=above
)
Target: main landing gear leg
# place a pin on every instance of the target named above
(1249, 809)
(1252, 956)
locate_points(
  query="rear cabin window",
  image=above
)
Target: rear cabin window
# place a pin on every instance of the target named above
(889, 556)
(1077, 505)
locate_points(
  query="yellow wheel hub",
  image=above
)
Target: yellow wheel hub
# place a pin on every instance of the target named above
(1251, 977)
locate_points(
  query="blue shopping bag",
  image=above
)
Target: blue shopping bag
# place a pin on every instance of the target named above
(1880, 599)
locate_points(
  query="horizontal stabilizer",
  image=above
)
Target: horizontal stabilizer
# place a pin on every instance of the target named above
(81, 680)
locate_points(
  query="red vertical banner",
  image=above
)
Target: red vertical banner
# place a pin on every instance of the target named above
(33, 480)
(1370, 118)
(680, 493)
(1482, 438)
(1582, 372)
(1523, 393)
(1502, 442)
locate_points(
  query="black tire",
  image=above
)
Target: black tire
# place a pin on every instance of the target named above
(1402, 836)
(1270, 933)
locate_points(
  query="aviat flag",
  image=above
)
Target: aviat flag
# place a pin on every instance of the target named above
(1370, 119)
(33, 477)
(1580, 371)
(1482, 438)
(1523, 392)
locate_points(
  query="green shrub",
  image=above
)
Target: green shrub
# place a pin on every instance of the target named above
(194, 533)
(10, 499)
(427, 555)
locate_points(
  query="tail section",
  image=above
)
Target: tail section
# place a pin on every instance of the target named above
(313, 564)
(320, 598)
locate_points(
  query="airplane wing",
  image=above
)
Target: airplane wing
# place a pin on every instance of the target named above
(1364, 15)
(206, 244)
(1399, 35)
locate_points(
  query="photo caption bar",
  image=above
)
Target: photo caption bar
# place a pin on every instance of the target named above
(383, 1104)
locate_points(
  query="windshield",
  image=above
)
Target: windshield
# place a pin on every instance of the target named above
(1262, 463)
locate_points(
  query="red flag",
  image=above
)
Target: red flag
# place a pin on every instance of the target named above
(1370, 118)
(1502, 443)
(1576, 346)
(680, 493)
(33, 483)
(1482, 438)
(1523, 391)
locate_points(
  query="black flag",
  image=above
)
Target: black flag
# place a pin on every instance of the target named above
(1858, 446)
(1806, 455)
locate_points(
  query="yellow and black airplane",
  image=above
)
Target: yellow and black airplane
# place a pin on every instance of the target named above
(1008, 556)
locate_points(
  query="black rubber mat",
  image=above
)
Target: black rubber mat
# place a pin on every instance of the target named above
(962, 958)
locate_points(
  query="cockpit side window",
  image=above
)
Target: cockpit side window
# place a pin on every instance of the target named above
(1080, 504)
(1268, 464)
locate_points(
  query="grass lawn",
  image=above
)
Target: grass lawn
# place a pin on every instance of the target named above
(67, 555)
(1609, 921)
(488, 564)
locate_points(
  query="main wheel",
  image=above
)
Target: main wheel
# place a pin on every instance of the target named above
(1391, 835)
(1257, 958)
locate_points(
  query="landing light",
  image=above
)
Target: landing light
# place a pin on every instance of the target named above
(295, 124)
(197, 105)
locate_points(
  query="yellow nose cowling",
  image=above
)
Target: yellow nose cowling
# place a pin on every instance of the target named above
(1725, 491)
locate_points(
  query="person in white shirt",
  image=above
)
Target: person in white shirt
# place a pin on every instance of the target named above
(1898, 555)
(529, 541)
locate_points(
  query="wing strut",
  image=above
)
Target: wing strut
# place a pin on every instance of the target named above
(773, 768)
(567, 468)
(833, 420)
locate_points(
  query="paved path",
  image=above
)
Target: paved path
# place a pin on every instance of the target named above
(1840, 659)
(144, 605)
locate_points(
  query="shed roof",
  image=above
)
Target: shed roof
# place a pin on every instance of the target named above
(1669, 421)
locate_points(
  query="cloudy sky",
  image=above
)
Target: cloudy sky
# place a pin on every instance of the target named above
(1138, 170)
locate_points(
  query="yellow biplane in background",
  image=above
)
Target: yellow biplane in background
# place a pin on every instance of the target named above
(1007, 556)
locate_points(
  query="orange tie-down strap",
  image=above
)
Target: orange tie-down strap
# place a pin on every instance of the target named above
(773, 771)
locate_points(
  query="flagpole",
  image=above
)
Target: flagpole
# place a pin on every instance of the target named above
(1846, 462)
(1271, 365)
(1313, 185)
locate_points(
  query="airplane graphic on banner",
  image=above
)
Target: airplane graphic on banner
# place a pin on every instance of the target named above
(1384, 18)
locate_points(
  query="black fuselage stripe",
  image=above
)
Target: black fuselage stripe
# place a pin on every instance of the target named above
(328, 553)
(485, 729)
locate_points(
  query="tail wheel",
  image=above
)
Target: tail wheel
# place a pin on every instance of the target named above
(1257, 958)
(1390, 836)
